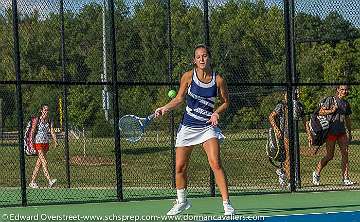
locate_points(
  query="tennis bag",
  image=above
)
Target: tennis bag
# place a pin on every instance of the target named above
(319, 127)
(28, 138)
(275, 148)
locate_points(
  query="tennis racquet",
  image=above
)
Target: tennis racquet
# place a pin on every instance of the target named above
(275, 148)
(132, 127)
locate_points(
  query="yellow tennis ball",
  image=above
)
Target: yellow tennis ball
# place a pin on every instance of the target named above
(172, 94)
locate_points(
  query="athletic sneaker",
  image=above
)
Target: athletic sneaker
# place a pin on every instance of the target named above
(51, 183)
(348, 182)
(282, 177)
(179, 208)
(316, 179)
(33, 185)
(228, 209)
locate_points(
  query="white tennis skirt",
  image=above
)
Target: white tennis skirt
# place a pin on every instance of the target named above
(189, 136)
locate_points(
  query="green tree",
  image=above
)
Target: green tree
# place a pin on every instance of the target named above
(150, 24)
(84, 104)
(307, 26)
(245, 118)
(187, 32)
(335, 26)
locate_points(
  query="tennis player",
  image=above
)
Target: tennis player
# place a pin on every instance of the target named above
(278, 119)
(200, 86)
(40, 130)
(338, 110)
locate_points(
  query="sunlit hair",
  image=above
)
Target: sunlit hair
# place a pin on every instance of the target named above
(202, 46)
(42, 107)
(338, 87)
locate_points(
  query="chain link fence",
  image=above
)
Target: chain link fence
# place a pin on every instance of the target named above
(68, 60)
(327, 36)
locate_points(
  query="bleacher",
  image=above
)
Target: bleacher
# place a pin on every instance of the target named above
(13, 136)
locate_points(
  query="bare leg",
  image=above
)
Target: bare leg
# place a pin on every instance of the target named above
(36, 170)
(212, 150)
(182, 163)
(42, 157)
(330, 148)
(287, 158)
(343, 143)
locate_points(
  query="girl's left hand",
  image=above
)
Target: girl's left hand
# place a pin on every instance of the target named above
(214, 119)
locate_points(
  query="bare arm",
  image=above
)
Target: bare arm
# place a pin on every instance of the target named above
(348, 126)
(224, 99)
(324, 111)
(53, 135)
(179, 99)
(307, 129)
(272, 121)
(223, 95)
(33, 128)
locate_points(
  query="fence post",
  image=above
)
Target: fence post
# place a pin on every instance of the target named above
(65, 95)
(1, 120)
(119, 179)
(170, 78)
(290, 75)
(206, 23)
(20, 114)
(295, 80)
(207, 43)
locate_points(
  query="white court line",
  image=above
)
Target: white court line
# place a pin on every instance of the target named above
(330, 212)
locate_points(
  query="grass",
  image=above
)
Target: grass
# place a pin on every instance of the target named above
(147, 166)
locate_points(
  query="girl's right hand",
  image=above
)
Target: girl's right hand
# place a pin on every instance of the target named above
(278, 133)
(334, 108)
(161, 111)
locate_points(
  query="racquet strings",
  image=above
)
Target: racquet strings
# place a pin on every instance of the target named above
(130, 128)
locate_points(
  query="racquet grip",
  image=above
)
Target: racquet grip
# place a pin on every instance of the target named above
(150, 117)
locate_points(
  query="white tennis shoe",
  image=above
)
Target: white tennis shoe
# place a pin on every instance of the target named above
(228, 209)
(348, 182)
(33, 185)
(282, 177)
(179, 208)
(316, 179)
(52, 182)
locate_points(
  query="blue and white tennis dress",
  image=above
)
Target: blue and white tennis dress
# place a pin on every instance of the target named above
(194, 128)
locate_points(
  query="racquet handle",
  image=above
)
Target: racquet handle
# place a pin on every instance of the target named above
(151, 116)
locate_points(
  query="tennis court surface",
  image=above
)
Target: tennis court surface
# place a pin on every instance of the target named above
(316, 206)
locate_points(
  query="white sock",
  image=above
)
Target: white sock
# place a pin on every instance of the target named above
(181, 195)
(226, 202)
